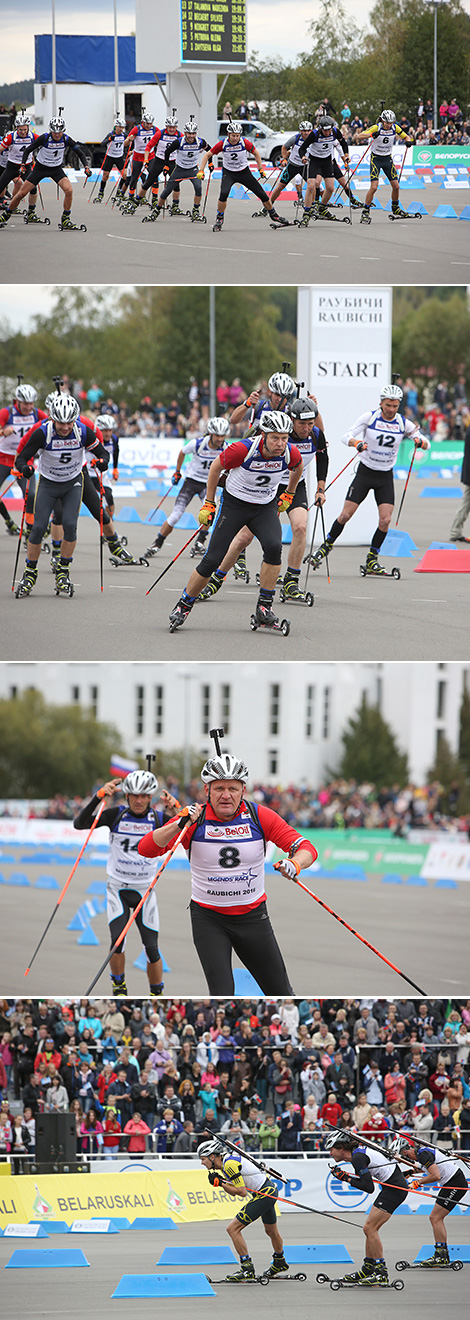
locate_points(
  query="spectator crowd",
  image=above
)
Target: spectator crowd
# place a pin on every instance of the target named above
(268, 1074)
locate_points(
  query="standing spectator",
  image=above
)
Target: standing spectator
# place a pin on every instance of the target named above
(254, 110)
(56, 1096)
(443, 113)
(269, 1133)
(91, 1133)
(166, 1131)
(291, 1127)
(137, 1131)
(456, 531)
(331, 1111)
(222, 396)
(112, 1132)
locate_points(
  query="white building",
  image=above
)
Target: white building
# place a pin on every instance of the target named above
(285, 719)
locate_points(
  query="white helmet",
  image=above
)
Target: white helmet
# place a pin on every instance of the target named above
(224, 767)
(218, 426)
(171, 121)
(22, 119)
(119, 122)
(234, 126)
(140, 781)
(48, 400)
(340, 1138)
(191, 125)
(208, 1148)
(64, 408)
(275, 421)
(147, 116)
(391, 392)
(26, 394)
(57, 124)
(305, 126)
(281, 383)
(388, 116)
(105, 422)
(398, 1144)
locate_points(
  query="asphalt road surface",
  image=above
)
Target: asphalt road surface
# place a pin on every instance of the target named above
(411, 927)
(433, 1293)
(174, 251)
(420, 617)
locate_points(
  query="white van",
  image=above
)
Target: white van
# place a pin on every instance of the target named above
(266, 141)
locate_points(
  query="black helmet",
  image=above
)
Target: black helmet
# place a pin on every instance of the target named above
(304, 410)
(326, 121)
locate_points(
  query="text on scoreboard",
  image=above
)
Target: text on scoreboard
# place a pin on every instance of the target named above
(213, 31)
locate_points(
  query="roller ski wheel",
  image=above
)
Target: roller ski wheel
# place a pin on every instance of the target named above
(123, 540)
(78, 228)
(366, 571)
(430, 1264)
(365, 218)
(404, 215)
(35, 219)
(45, 549)
(272, 625)
(337, 219)
(197, 551)
(284, 1278)
(299, 597)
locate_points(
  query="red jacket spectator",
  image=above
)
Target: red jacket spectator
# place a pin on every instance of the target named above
(112, 1131)
(138, 1132)
(331, 1112)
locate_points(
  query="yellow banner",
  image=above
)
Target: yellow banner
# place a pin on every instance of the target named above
(185, 1197)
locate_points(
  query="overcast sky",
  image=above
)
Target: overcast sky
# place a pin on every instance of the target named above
(274, 26)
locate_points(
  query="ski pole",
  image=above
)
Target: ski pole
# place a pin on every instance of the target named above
(140, 905)
(67, 882)
(3, 493)
(324, 539)
(309, 556)
(40, 197)
(338, 474)
(355, 932)
(173, 561)
(21, 533)
(100, 171)
(162, 501)
(206, 194)
(406, 484)
(100, 479)
(402, 163)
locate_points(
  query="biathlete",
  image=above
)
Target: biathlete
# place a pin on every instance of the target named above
(445, 1170)
(105, 424)
(138, 138)
(237, 1176)
(384, 134)
(311, 443)
(369, 1164)
(15, 422)
(155, 153)
(114, 155)
(292, 163)
(235, 150)
(186, 147)
(377, 436)
(205, 449)
(14, 144)
(226, 847)
(318, 153)
(255, 468)
(60, 443)
(50, 150)
(128, 873)
(281, 388)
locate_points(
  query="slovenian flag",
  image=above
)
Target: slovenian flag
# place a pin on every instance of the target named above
(120, 767)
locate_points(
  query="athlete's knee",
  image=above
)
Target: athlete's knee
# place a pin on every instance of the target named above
(272, 553)
(151, 948)
(384, 521)
(70, 531)
(243, 538)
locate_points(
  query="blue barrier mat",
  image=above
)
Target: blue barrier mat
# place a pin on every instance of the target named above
(391, 879)
(44, 1260)
(18, 878)
(459, 1252)
(88, 936)
(141, 962)
(197, 1256)
(245, 983)
(164, 1285)
(442, 545)
(46, 882)
(54, 1226)
(417, 880)
(438, 493)
(95, 1226)
(154, 1224)
(315, 1253)
(446, 884)
(403, 1210)
(97, 887)
(15, 1230)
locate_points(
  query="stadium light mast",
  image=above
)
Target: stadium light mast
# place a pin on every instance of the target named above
(54, 79)
(212, 352)
(435, 3)
(116, 61)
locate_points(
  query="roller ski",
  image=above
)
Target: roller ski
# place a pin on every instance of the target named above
(63, 585)
(400, 214)
(260, 215)
(196, 217)
(55, 560)
(279, 222)
(316, 559)
(68, 224)
(119, 987)
(324, 214)
(30, 218)
(372, 568)
(175, 209)
(199, 546)
(218, 224)
(246, 1274)
(365, 217)
(277, 1270)
(266, 618)
(28, 581)
(154, 213)
(214, 584)
(240, 569)
(119, 555)
(98, 199)
(440, 1260)
(290, 590)
(370, 1276)
(11, 527)
(279, 580)
(179, 614)
(155, 547)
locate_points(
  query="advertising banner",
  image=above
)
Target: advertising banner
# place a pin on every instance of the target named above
(442, 454)
(449, 861)
(373, 850)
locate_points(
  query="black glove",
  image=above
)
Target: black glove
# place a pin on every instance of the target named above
(214, 1178)
(102, 464)
(27, 471)
(340, 1173)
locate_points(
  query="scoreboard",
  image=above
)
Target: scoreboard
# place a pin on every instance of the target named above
(213, 32)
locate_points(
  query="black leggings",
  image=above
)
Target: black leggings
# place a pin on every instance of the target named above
(90, 499)
(262, 520)
(154, 171)
(176, 177)
(70, 492)
(251, 937)
(245, 177)
(12, 171)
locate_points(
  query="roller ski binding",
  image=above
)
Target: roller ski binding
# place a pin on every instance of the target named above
(119, 987)
(370, 1276)
(196, 217)
(246, 1274)
(279, 222)
(175, 209)
(119, 555)
(372, 568)
(155, 547)
(199, 546)
(325, 214)
(179, 614)
(63, 585)
(440, 1260)
(240, 569)
(28, 581)
(98, 199)
(365, 217)
(214, 584)
(320, 554)
(68, 224)
(218, 224)
(154, 213)
(290, 590)
(266, 618)
(11, 527)
(400, 214)
(130, 206)
(277, 1270)
(55, 560)
(256, 215)
(30, 218)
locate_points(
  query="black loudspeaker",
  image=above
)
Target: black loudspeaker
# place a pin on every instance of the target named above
(56, 1139)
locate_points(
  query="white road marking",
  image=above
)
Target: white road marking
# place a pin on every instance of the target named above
(460, 263)
(369, 258)
(429, 600)
(413, 261)
(257, 252)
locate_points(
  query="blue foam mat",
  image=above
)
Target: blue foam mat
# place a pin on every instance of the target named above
(141, 962)
(459, 1252)
(197, 1256)
(54, 1226)
(164, 1285)
(50, 1259)
(245, 983)
(306, 1253)
(153, 1224)
(439, 493)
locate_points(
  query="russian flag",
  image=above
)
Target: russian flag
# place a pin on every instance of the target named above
(120, 767)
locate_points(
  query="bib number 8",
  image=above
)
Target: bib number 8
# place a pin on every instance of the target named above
(229, 857)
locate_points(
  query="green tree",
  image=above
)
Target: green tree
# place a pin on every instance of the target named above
(370, 751)
(450, 773)
(464, 732)
(434, 340)
(52, 749)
